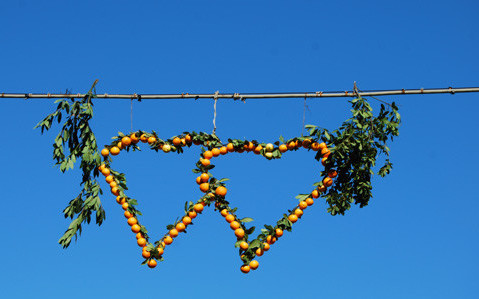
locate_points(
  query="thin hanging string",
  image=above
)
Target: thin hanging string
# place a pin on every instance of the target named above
(304, 116)
(214, 117)
(131, 114)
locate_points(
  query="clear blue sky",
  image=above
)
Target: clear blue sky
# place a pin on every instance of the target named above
(418, 238)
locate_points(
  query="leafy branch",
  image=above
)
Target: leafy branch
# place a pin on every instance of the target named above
(76, 141)
(355, 148)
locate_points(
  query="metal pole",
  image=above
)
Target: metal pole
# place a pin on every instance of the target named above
(238, 96)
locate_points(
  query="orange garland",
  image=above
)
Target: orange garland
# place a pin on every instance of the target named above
(214, 190)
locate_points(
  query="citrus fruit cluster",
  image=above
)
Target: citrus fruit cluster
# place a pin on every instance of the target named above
(214, 190)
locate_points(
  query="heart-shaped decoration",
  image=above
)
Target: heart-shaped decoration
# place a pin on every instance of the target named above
(214, 189)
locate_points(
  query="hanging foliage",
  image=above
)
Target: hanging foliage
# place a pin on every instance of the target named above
(76, 141)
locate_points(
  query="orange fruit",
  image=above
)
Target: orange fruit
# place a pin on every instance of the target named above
(204, 187)
(168, 240)
(208, 155)
(151, 139)
(266, 246)
(239, 233)
(235, 225)
(309, 201)
(315, 193)
(115, 191)
(135, 228)
(298, 212)
(132, 220)
(173, 233)
(114, 151)
(105, 152)
(134, 139)
(143, 138)
(146, 254)
(306, 143)
(141, 242)
(223, 150)
(332, 173)
(244, 245)
(325, 151)
(105, 171)
(327, 181)
(204, 177)
(245, 269)
(152, 263)
(126, 141)
(322, 188)
(257, 150)
(259, 252)
(188, 138)
(120, 145)
(293, 218)
(113, 184)
(205, 162)
(122, 200)
(291, 145)
(279, 232)
(216, 152)
(198, 207)
(186, 220)
(160, 250)
(192, 214)
(109, 179)
(176, 141)
(303, 204)
(322, 145)
(124, 206)
(224, 212)
(221, 191)
(139, 235)
(230, 147)
(315, 146)
(283, 148)
(230, 218)
(198, 180)
(180, 226)
(323, 160)
(254, 264)
(270, 239)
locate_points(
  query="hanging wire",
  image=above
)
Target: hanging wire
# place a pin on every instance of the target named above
(214, 117)
(304, 116)
(131, 114)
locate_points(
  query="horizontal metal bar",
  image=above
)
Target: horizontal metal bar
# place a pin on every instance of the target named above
(240, 96)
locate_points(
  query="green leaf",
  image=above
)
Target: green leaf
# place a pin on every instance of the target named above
(246, 220)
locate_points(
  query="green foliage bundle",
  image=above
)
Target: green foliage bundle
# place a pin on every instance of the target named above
(76, 141)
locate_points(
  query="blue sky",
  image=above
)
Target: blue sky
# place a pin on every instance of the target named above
(416, 239)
